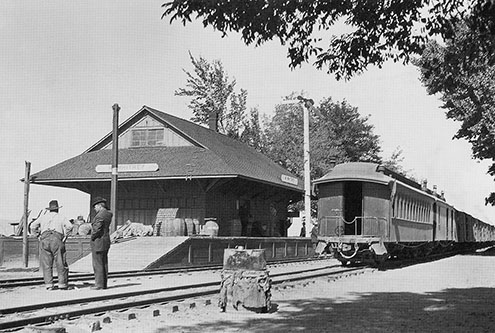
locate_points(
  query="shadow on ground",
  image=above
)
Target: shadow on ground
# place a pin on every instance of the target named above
(452, 310)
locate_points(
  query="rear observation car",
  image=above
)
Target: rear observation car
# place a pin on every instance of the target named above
(368, 212)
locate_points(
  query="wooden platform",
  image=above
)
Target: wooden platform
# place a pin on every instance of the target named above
(145, 253)
(135, 254)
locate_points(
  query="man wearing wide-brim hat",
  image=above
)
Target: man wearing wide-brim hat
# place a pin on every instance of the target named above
(100, 241)
(53, 228)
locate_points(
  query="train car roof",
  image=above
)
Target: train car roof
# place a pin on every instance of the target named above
(371, 172)
(355, 171)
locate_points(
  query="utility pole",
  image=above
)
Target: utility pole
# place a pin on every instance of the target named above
(25, 245)
(115, 166)
(308, 103)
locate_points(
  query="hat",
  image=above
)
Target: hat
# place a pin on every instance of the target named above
(98, 200)
(53, 205)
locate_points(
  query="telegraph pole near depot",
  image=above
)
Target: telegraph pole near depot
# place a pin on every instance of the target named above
(25, 225)
(115, 166)
(308, 103)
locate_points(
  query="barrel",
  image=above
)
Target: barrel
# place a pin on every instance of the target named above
(211, 228)
(235, 227)
(173, 227)
(179, 227)
(197, 228)
(167, 227)
(189, 227)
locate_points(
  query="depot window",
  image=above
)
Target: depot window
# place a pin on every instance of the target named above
(147, 137)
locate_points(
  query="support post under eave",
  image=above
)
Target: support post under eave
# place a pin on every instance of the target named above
(115, 166)
(25, 245)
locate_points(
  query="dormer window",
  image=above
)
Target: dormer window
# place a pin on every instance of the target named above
(148, 137)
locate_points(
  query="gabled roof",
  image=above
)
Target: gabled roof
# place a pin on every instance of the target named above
(213, 155)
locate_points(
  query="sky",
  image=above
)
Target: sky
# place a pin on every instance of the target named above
(64, 64)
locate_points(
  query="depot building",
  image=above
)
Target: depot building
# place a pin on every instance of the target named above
(166, 162)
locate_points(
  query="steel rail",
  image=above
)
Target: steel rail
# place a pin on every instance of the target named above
(212, 288)
(32, 307)
(32, 281)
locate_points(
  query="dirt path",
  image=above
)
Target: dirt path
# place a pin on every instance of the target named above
(451, 295)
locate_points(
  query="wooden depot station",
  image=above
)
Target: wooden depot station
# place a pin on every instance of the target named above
(192, 173)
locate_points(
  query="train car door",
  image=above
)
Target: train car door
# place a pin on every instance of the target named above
(353, 207)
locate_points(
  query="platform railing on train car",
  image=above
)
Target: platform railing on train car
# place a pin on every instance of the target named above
(335, 226)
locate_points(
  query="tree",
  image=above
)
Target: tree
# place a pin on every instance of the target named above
(394, 163)
(381, 29)
(342, 132)
(337, 132)
(253, 134)
(462, 72)
(211, 90)
(284, 137)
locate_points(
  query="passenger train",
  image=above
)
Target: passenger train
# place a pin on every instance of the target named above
(367, 212)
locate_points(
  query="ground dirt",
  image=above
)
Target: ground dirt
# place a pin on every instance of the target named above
(455, 294)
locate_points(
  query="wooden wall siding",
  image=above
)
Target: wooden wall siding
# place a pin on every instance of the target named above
(170, 137)
(139, 202)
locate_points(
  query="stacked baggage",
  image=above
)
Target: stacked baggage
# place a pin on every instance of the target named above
(245, 280)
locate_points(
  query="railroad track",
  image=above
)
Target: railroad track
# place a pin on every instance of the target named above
(42, 313)
(33, 281)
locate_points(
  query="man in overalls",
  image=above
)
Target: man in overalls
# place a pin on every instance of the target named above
(53, 228)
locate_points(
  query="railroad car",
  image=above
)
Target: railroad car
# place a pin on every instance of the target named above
(367, 212)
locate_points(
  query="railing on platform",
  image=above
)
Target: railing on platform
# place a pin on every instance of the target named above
(336, 226)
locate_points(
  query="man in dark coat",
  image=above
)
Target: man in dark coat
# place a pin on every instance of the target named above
(100, 242)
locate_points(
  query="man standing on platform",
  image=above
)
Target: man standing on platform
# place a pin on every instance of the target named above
(54, 229)
(100, 242)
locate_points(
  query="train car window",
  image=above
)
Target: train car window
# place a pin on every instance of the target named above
(408, 216)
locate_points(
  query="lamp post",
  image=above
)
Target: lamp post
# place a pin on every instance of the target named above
(307, 104)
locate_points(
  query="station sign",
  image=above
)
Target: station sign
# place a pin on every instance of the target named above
(289, 179)
(141, 167)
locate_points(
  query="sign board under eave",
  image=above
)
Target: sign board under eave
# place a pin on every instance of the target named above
(143, 167)
(289, 179)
